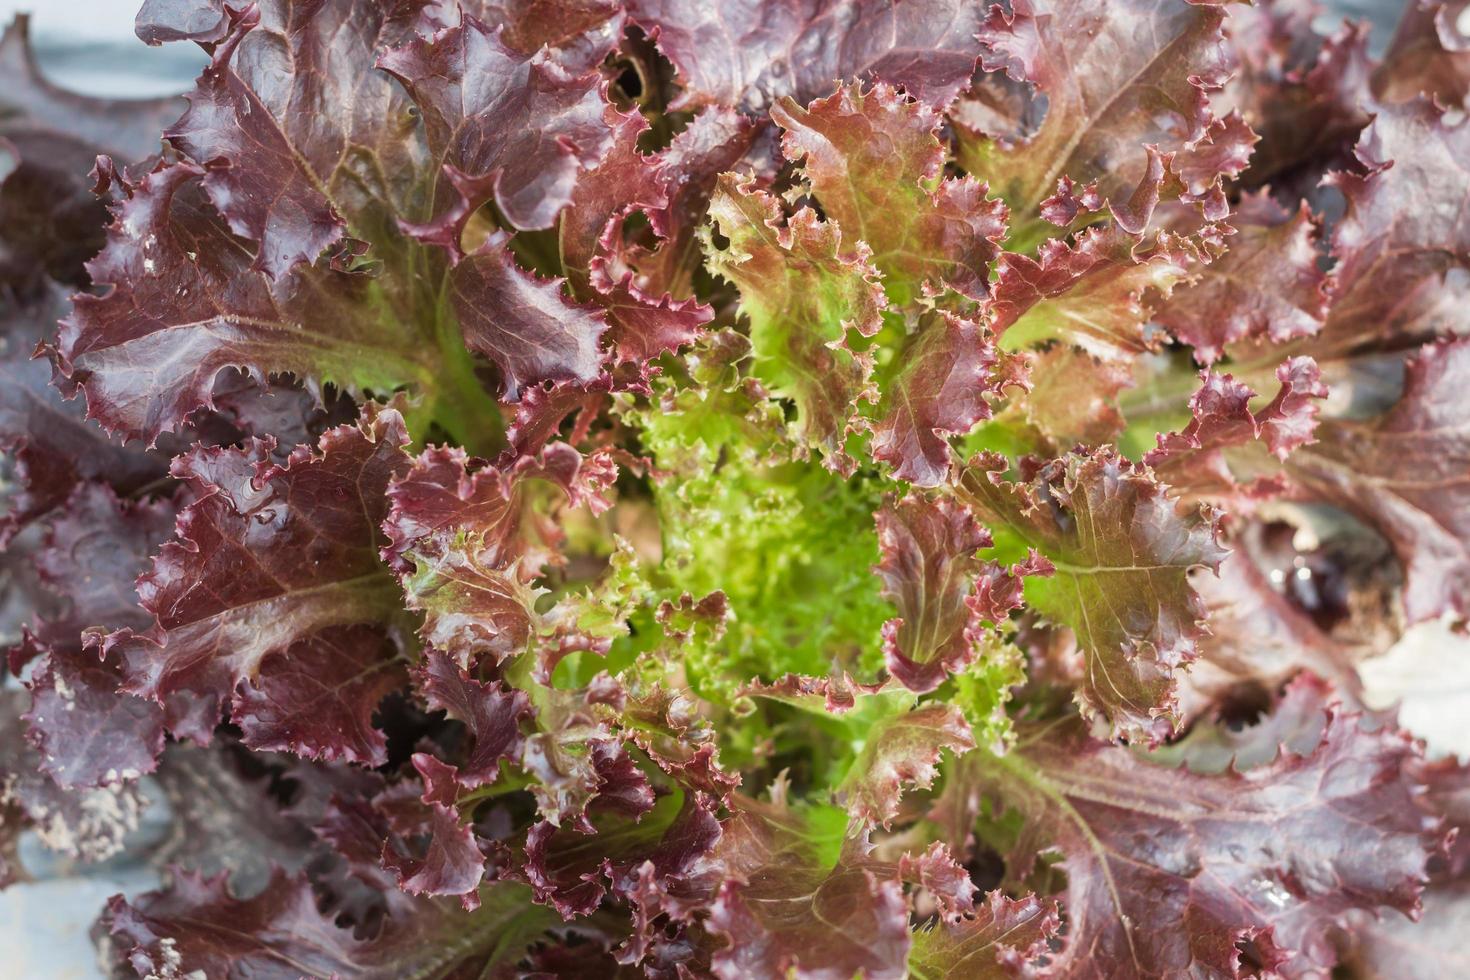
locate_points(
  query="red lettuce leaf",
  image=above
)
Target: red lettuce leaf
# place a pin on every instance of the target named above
(1269, 284)
(624, 181)
(1400, 279)
(451, 864)
(492, 714)
(579, 32)
(505, 125)
(875, 163)
(296, 544)
(1258, 637)
(1121, 551)
(226, 817)
(716, 141)
(1169, 871)
(93, 551)
(943, 878)
(87, 824)
(126, 128)
(1429, 54)
(802, 287)
(1204, 458)
(793, 898)
(944, 594)
(185, 305)
(161, 21)
(335, 680)
(524, 323)
(1304, 93)
(87, 733)
(577, 761)
(637, 859)
(1098, 293)
(1405, 472)
(798, 47)
(52, 445)
(1381, 947)
(468, 544)
(939, 389)
(268, 165)
(1002, 937)
(198, 925)
(898, 752)
(837, 694)
(1072, 397)
(1117, 77)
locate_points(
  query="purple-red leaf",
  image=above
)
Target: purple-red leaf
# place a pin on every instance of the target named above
(161, 21)
(1408, 473)
(197, 925)
(524, 323)
(515, 127)
(1268, 285)
(1001, 938)
(1399, 277)
(579, 32)
(52, 445)
(899, 752)
(939, 390)
(1225, 438)
(875, 163)
(715, 142)
(1122, 551)
(93, 551)
(87, 733)
(278, 560)
(468, 544)
(1258, 636)
(1304, 93)
(784, 905)
(267, 172)
(802, 285)
(492, 714)
(317, 697)
(945, 879)
(1169, 872)
(1429, 54)
(1097, 293)
(127, 128)
(943, 592)
(748, 55)
(1117, 76)
(184, 304)
(451, 864)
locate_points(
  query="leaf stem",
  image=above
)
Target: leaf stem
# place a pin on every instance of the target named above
(461, 405)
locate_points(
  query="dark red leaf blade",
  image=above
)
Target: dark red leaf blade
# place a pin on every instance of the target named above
(267, 558)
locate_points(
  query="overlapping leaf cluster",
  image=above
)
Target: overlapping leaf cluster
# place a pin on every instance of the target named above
(608, 487)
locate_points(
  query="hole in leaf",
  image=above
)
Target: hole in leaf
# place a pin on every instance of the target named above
(1244, 705)
(987, 869)
(1253, 959)
(630, 82)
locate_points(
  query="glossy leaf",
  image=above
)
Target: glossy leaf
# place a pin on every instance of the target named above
(308, 532)
(1121, 551)
(797, 49)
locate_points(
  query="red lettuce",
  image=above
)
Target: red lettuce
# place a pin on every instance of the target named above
(601, 487)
